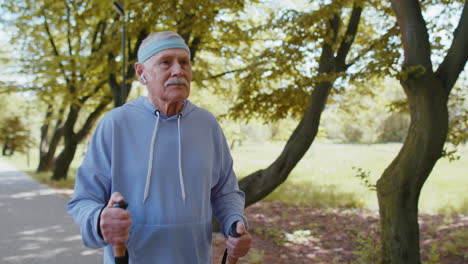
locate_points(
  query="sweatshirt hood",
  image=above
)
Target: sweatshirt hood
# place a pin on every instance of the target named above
(143, 103)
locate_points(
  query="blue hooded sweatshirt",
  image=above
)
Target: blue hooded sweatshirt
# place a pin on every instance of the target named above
(174, 172)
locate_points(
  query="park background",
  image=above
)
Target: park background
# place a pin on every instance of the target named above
(255, 71)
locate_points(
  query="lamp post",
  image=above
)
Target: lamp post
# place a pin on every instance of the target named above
(120, 9)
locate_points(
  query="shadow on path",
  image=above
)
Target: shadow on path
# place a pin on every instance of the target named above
(35, 227)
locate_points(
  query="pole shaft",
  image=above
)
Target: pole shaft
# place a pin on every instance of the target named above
(123, 92)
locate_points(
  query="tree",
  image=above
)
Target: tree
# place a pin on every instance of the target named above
(48, 144)
(297, 71)
(15, 136)
(191, 22)
(427, 91)
(68, 42)
(62, 49)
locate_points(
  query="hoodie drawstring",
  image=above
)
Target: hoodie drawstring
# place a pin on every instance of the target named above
(181, 178)
(151, 154)
(150, 161)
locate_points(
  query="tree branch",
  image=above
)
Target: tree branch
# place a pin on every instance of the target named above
(70, 46)
(226, 73)
(455, 60)
(51, 39)
(392, 31)
(194, 47)
(70, 49)
(187, 36)
(133, 54)
(92, 118)
(96, 89)
(11, 87)
(414, 34)
(327, 61)
(102, 36)
(335, 24)
(77, 29)
(54, 47)
(348, 38)
(95, 35)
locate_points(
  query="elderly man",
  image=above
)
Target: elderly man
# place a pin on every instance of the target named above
(169, 160)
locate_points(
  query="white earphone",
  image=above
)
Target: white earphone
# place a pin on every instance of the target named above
(143, 78)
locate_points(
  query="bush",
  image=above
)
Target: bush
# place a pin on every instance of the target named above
(368, 249)
(321, 196)
(14, 135)
(394, 128)
(352, 133)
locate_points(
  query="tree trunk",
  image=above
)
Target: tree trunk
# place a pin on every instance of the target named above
(44, 136)
(399, 187)
(65, 157)
(47, 159)
(116, 90)
(233, 142)
(47, 153)
(62, 164)
(261, 183)
(115, 87)
(72, 139)
(4, 149)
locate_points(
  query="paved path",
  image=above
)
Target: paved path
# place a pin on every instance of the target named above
(34, 225)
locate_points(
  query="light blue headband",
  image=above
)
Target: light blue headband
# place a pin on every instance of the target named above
(161, 44)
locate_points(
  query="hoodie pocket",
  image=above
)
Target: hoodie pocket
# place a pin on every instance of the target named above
(181, 243)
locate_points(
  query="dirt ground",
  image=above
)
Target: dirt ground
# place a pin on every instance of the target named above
(291, 234)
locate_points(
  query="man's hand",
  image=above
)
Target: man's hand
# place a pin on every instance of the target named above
(239, 246)
(115, 223)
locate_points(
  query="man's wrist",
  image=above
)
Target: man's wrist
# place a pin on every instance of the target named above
(99, 223)
(232, 219)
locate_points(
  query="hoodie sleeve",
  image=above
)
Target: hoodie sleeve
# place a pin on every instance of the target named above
(227, 199)
(92, 187)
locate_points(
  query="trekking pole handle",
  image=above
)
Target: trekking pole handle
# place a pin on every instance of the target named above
(233, 233)
(120, 249)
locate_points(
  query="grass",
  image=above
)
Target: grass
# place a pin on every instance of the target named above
(457, 242)
(29, 165)
(325, 176)
(368, 249)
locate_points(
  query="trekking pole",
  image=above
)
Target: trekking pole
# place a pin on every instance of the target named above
(120, 250)
(233, 233)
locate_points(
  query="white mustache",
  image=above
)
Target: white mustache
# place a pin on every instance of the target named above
(176, 81)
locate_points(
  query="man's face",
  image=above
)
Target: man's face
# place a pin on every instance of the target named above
(169, 74)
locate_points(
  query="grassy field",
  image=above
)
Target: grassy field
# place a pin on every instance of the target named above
(28, 164)
(325, 177)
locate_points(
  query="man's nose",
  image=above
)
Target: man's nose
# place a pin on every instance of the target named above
(176, 69)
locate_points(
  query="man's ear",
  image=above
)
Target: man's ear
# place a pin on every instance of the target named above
(139, 68)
